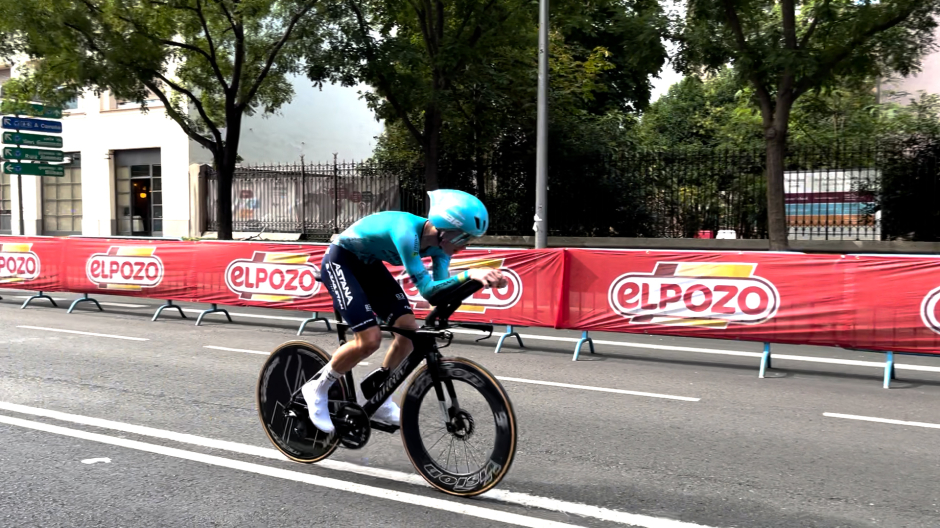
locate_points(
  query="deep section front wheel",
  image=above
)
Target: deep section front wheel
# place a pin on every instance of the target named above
(468, 451)
(282, 408)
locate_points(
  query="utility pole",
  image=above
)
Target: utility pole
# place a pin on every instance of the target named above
(541, 165)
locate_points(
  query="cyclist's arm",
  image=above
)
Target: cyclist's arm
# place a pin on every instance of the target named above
(440, 266)
(426, 284)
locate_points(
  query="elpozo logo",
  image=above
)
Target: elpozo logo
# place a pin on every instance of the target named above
(930, 310)
(711, 295)
(481, 301)
(273, 277)
(126, 268)
(18, 263)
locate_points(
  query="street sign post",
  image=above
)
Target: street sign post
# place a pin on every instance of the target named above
(37, 125)
(33, 169)
(16, 153)
(31, 140)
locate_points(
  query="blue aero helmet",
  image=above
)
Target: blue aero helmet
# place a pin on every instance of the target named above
(453, 210)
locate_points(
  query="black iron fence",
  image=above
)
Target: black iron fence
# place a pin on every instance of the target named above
(873, 192)
(314, 199)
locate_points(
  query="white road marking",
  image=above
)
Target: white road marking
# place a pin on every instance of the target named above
(82, 333)
(238, 350)
(648, 346)
(598, 389)
(29, 296)
(882, 420)
(254, 316)
(509, 497)
(324, 482)
(123, 305)
(260, 352)
(95, 460)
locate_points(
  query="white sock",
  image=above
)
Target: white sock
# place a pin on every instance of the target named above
(327, 378)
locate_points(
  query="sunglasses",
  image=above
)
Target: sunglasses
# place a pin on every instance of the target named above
(457, 238)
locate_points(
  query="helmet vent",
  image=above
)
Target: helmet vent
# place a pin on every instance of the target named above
(477, 218)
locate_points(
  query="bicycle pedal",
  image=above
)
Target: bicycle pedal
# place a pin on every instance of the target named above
(385, 428)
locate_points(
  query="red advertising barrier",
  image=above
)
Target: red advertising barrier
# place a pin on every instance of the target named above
(889, 303)
(531, 297)
(133, 267)
(31, 263)
(894, 303)
(260, 274)
(784, 298)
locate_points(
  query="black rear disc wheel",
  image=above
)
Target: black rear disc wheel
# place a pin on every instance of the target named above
(288, 427)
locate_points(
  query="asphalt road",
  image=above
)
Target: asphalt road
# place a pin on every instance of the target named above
(159, 430)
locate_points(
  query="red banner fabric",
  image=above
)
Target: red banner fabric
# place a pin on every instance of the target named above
(859, 301)
(138, 268)
(531, 297)
(261, 274)
(894, 303)
(789, 298)
(31, 263)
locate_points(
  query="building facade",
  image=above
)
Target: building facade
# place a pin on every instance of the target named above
(132, 173)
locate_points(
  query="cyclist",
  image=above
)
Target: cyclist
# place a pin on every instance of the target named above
(363, 289)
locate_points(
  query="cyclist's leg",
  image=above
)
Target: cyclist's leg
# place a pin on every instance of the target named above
(389, 302)
(391, 305)
(342, 272)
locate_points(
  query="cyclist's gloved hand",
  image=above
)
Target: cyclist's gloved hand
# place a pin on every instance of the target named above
(490, 278)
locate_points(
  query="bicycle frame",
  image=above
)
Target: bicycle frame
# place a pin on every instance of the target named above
(424, 341)
(425, 348)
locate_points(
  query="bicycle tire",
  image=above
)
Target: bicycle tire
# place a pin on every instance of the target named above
(497, 464)
(283, 373)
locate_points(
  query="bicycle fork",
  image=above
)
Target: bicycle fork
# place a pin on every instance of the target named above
(449, 413)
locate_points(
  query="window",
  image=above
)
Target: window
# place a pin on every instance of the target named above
(6, 204)
(152, 100)
(62, 200)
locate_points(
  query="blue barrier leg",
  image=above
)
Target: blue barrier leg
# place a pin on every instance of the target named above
(39, 295)
(316, 317)
(577, 348)
(169, 304)
(86, 298)
(765, 361)
(889, 370)
(509, 332)
(215, 309)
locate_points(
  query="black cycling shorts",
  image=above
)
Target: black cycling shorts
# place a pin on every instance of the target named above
(362, 293)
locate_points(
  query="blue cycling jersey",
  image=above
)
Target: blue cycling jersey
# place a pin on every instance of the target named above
(395, 237)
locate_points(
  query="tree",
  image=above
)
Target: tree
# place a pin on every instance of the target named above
(464, 68)
(210, 62)
(786, 49)
(411, 52)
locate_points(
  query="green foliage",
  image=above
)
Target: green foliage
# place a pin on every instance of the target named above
(479, 73)
(219, 58)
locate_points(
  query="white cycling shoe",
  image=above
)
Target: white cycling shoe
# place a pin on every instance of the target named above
(389, 413)
(316, 393)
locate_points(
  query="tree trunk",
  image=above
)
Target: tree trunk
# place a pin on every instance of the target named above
(776, 142)
(432, 146)
(225, 168)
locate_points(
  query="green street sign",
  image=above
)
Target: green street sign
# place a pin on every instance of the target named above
(33, 169)
(30, 109)
(16, 153)
(31, 140)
